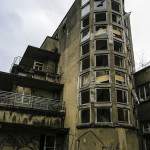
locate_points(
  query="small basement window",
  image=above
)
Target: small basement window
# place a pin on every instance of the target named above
(123, 115)
(101, 45)
(85, 97)
(115, 6)
(102, 60)
(85, 79)
(102, 76)
(118, 46)
(85, 48)
(121, 96)
(116, 18)
(85, 116)
(119, 61)
(99, 17)
(38, 66)
(86, 63)
(85, 22)
(103, 115)
(102, 95)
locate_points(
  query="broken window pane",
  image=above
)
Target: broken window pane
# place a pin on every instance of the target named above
(117, 32)
(120, 77)
(85, 48)
(99, 5)
(121, 96)
(86, 63)
(85, 22)
(85, 10)
(103, 115)
(119, 61)
(85, 116)
(102, 76)
(101, 45)
(84, 2)
(102, 60)
(85, 34)
(85, 79)
(85, 97)
(102, 95)
(123, 115)
(115, 6)
(117, 19)
(100, 29)
(100, 17)
(118, 46)
(38, 66)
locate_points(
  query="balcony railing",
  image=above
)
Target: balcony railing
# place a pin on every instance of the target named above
(11, 99)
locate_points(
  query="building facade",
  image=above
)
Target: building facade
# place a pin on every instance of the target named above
(88, 64)
(142, 83)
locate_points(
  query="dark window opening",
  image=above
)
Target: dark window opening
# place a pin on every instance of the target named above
(85, 97)
(38, 66)
(50, 143)
(119, 61)
(103, 95)
(85, 48)
(103, 115)
(123, 115)
(85, 63)
(121, 96)
(147, 143)
(116, 18)
(101, 44)
(115, 6)
(142, 93)
(85, 116)
(102, 60)
(117, 46)
(85, 22)
(100, 17)
(147, 90)
(85, 32)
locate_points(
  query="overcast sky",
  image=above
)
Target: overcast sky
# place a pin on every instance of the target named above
(28, 22)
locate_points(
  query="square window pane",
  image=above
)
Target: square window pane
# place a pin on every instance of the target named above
(103, 115)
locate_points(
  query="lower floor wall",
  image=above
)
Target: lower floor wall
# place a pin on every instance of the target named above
(106, 139)
(28, 141)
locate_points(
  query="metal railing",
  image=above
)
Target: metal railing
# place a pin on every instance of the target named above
(30, 102)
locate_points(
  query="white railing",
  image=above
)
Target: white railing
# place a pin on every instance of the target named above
(30, 102)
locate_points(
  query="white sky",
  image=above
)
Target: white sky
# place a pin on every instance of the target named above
(28, 22)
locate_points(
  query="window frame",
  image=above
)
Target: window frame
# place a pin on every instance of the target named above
(128, 115)
(101, 55)
(126, 92)
(102, 21)
(80, 116)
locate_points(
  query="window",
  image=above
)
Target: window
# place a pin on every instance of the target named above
(118, 46)
(85, 22)
(119, 61)
(102, 95)
(115, 6)
(85, 116)
(147, 90)
(102, 60)
(103, 115)
(85, 34)
(120, 78)
(101, 44)
(50, 143)
(117, 32)
(102, 76)
(99, 5)
(123, 115)
(100, 27)
(85, 79)
(121, 96)
(85, 10)
(84, 2)
(85, 97)
(116, 18)
(85, 48)
(86, 63)
(100, 17)
(38, 66)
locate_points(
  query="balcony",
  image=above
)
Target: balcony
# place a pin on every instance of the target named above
(16, 100)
